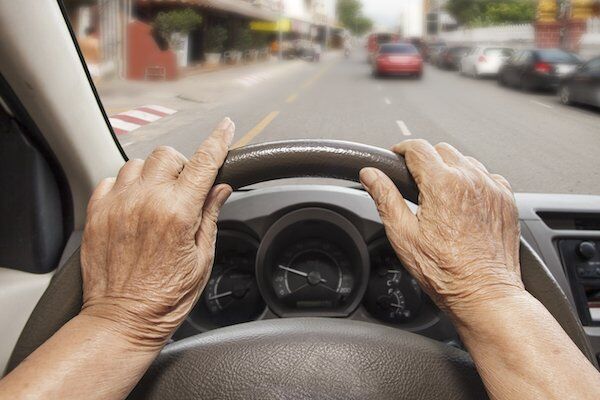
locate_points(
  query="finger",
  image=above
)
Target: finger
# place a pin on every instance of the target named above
(103, 188)
(450, 155)
(502, 181)
(164, 163)
(397, 217)
(477, 164)
(130, 172)
(200, 172)
(207, 232)
(421, 158)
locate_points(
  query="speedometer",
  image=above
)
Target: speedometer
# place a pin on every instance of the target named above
(312, 262)
(313, 274)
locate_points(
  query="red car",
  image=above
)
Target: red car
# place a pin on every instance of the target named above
(398, 58)
(375, 40)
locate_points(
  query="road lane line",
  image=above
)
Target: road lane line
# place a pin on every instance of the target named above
(539, 103)
(403, 128)
(252, 133)
(315, 78)
(292, 98)
(387, 101)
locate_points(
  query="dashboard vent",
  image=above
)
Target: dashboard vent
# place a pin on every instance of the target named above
(571, 221)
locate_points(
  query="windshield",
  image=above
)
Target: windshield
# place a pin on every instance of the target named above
(167, 72)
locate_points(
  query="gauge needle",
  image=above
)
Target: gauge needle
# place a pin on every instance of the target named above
(295, 271)
(396, 305)
(218, 296)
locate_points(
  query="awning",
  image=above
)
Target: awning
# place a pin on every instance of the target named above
(283, 25)
(238, 7)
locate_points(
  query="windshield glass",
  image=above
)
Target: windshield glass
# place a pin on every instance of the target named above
(168, 71)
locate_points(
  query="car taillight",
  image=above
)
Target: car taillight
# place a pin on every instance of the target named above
(482, 59)
(542, 67)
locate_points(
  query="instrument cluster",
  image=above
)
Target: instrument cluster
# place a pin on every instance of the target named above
(309, 262)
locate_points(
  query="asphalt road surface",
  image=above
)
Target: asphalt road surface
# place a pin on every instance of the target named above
(538, 144)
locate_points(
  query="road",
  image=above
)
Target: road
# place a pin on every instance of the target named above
(538, 144)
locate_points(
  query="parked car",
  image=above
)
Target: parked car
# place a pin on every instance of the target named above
(450, 57)
(434, 53)
(538, 68)
(375, 40)
(398, 58)
(582, 86)
(484, 61)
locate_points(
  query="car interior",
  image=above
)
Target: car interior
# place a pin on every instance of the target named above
(255, 321)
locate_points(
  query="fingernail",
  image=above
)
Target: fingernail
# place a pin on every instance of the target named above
(368, 176)
(228, 128)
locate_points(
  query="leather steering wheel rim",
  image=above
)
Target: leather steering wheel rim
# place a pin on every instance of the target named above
(304, 358)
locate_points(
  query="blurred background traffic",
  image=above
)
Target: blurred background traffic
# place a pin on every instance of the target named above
(515, 83)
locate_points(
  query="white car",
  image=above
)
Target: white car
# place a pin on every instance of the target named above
(484, 61)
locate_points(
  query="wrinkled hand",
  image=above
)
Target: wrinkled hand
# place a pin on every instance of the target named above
(463, 243)
(149, 239)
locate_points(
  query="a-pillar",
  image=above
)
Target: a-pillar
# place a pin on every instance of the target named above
(547, 28)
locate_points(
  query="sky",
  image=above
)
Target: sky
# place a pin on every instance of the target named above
(389, 14)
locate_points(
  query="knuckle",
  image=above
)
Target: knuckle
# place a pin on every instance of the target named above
(207, 157)
(443, 146)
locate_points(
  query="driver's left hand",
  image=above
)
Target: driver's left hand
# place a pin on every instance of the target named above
(149, 239)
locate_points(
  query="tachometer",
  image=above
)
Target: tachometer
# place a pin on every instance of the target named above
(231, 295)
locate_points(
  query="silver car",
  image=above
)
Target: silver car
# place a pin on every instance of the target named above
(484, 61)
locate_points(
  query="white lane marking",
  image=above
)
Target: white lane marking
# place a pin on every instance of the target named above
(141, 115)
(379, 87)
(120, 124)
(403, 128)
(539, 103)
(161, 109)
(387, 101)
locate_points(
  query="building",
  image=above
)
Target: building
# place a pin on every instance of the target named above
(436, 18)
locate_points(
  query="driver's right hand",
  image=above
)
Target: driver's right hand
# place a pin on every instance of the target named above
(463, 243)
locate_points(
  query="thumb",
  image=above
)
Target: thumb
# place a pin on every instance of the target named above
(399, 221)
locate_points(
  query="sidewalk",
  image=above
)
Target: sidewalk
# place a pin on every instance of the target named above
(198, 87)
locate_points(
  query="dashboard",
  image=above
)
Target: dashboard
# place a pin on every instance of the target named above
(277, 257)
(321, 251)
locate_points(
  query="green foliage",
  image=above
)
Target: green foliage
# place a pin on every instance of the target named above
(491, 12)
(242, 39)
(177, 21)
(350, 15)
(259, 40)
(214, 39)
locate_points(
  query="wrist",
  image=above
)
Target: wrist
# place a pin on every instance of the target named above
(473, 312)
(137, 332)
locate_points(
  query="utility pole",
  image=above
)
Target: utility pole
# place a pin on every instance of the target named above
(280, 30)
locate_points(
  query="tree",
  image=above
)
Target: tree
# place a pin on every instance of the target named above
(491, 12)
(242, 38)
(181, 22)
(350, 15)
(214, 39)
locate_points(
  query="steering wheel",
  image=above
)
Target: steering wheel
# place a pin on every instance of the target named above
(304, 358)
